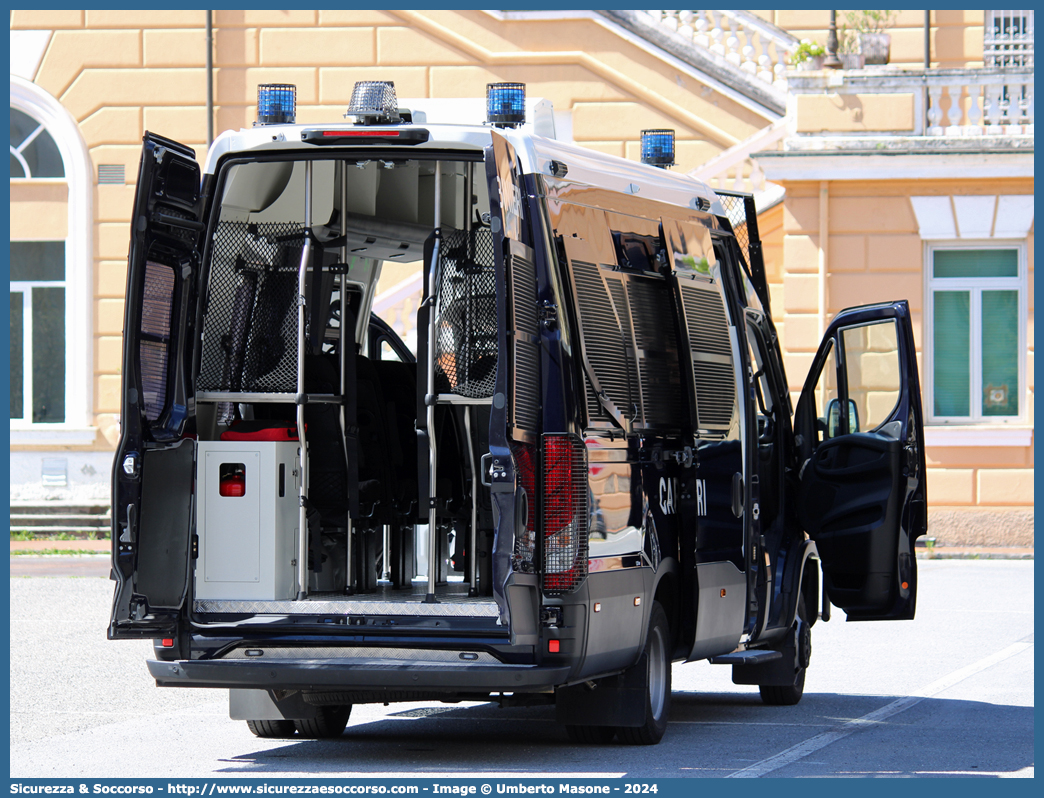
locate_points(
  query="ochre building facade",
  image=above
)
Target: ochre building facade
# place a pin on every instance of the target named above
(872, 185)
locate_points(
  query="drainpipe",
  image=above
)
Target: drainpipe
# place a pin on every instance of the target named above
(210, 78)
(832, 61)
(927, 63)
(824, 228)
(927, 39)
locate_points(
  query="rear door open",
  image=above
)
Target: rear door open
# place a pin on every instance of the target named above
(859, 434)
(152, 482)
(515, 413)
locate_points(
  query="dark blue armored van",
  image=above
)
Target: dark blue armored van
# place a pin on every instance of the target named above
(586, 466)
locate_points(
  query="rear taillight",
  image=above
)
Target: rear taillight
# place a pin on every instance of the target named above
(565, 513)
(232, 480)
(168, 642)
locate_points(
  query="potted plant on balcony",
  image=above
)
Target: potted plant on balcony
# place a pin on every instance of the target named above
(808, 55)
(874, 44)
(849, 48)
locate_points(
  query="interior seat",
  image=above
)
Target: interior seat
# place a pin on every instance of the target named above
(398, 382)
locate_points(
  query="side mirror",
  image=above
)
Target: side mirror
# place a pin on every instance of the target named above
(834, 418)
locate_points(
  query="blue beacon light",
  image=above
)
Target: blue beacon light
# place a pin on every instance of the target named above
(658, 148)
(506, 104)
(276, 103)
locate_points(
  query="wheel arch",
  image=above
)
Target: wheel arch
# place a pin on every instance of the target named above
(667, 592)
(801, 578)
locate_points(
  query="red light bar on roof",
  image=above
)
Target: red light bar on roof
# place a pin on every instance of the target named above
(369, 135)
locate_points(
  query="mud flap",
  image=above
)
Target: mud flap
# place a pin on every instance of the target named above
(612, 701)
(781, 672)
(263, 705)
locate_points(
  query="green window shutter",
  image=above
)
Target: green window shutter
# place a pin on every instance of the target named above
(1000, 353)
(975, 263)
(17, 355)
(38, 260)
(48, 355)
(952, 353)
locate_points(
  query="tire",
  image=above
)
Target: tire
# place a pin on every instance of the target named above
(658, 683)
(330, 722)
(788, 695)
(784, 696)
(594, 735)
(271, 728)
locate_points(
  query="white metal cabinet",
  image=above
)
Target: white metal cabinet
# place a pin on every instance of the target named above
(247, 543)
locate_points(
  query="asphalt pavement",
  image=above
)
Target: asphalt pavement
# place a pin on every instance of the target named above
(948, 694)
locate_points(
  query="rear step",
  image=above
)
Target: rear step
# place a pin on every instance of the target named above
(754, 656)
(353, 605)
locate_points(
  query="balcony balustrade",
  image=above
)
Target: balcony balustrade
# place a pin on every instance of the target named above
(741, 38)
(947, 102)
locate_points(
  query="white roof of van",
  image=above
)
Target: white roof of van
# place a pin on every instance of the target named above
(533, 142)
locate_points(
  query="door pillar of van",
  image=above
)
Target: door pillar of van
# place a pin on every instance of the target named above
(469, 414)
(302, 510)
(348, 414)
(429, 399)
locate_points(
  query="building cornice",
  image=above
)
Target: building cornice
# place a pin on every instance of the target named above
(894, 164)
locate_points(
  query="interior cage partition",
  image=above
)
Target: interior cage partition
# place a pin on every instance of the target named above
(465, 339)
(462, 347)
(249, 331)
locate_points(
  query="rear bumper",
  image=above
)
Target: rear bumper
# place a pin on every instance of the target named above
(345, 675)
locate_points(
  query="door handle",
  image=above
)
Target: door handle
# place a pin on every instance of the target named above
(737, 494)
(484, 462)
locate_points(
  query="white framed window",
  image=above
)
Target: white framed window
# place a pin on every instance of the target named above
(38, 332)
(51, 278)
(975, 333)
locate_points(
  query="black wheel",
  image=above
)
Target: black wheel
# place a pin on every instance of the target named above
(595, 735)
(790, 694)
(784, 696)
(271, 728)
(658, 683)
(330, 722)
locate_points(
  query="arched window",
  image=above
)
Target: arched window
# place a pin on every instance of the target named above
(33, 151)
(50, 282)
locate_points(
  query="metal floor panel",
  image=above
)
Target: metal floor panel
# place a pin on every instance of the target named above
(452, 600)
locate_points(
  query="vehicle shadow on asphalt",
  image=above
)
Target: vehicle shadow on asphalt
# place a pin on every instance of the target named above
(936, 737)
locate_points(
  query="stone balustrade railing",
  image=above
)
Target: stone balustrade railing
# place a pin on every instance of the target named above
(735, 170)
(741, 38)
(947, 102)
